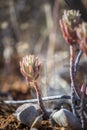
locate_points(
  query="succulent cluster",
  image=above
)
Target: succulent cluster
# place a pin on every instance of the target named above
(74, 31)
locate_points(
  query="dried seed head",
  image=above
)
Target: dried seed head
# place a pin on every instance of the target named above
(70, 20)
(29, 67)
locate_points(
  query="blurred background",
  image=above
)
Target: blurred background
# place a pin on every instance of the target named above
(32, 27)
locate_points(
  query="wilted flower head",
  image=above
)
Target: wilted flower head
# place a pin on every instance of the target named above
(70, 20)
(29, 67)
(82, 36)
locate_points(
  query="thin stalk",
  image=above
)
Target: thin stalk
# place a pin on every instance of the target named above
(82, 102)
(81, 114)
(72, 77)
(77, 60)
(72, 73)
(74, 67)
(40, 101)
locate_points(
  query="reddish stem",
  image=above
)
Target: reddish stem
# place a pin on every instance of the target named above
(75, 89)
(39, 97)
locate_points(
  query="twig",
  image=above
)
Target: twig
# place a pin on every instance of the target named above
(36, 100)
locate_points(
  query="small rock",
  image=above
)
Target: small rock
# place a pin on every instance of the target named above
(66, 118)
(27, 113)
(26, 105)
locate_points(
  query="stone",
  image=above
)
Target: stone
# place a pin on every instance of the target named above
(37, 122)
(28, 113)
(65, 118)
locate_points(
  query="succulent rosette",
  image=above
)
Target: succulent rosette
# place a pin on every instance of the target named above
(30, 67)
(70, 20)
(82, 36)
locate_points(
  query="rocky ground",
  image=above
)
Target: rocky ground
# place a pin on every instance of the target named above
(14, 88)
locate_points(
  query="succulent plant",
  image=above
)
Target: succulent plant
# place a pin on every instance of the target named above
(82, 36)
(74, 31)
(70, 20)
(30, 67)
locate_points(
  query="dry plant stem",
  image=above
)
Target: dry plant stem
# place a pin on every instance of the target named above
(40, 101)
(72, 77)
(77, 60)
